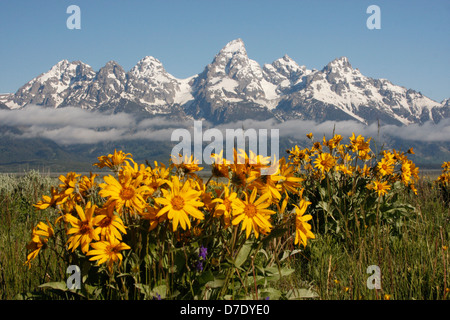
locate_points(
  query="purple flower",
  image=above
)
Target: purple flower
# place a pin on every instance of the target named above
(203, 252)
(199, 266)
(157, 297)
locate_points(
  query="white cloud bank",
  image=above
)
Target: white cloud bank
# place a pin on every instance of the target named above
(72, 125)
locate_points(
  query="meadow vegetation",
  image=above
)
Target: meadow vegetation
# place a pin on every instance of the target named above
(309, 231)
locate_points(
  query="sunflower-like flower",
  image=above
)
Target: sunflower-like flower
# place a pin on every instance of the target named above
(253, 214)
(205, 196)
(187, 165)
(298, 156)
(333, 142)
(347, 170)
(39, 238)
(220, 165)
(82, 231)
(107, 252)
(381, 187)
(245, 169)
(359, 145)
(316, 147)
(224, 205)
(68, 184)
(113, 161)
(267, 184)
(302, 227)
(151, 214)
(389, 156)
(87, 185)
(135, 170)
(386, 166)
(256, 161)
(50, 201)
(444, 177)
(126, 192)
(364, 171)
(286, 178)
(325, 162)
(409, 171)
(160, 170)
(180, 202)
(109, 224)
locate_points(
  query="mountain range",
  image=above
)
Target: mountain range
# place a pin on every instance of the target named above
(232, 87)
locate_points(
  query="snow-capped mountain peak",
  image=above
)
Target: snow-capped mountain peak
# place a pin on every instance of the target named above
(285, 72)
(234, 47)
(148, 67)
(231, 87)
(51, 87)
(341, 62)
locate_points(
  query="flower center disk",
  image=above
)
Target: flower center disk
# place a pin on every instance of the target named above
(127, 193)
(177, 202)
(85, 228)
(250, 210)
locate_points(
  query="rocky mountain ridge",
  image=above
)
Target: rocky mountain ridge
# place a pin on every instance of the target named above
(232, 87)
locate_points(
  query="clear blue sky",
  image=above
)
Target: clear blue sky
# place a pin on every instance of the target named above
(412, 48)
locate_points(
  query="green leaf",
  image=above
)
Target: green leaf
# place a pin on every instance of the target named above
(216, 283)
(324, 205)
(322, 192)
(92, 290)
(301, 293)
(274, 273)
(264, 252)
(152, 293)
(61, 286)
(124, 275)
(288, 253)
(243, 254)
(286, 271)
(271, 293)
(260, 280)
(159, 290)
(144, 289)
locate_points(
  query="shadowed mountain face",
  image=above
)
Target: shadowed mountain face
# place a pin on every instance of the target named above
(232, 87)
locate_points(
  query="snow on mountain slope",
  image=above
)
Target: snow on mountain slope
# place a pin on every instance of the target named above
(231, 87)
(233, 78)
(52, 87)
(346, 89)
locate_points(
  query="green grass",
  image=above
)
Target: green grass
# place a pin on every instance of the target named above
(17, 217)
(414, 262)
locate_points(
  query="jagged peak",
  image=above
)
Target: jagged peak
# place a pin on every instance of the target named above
(286, 58)
(62, 63)
(286, 61)
(113, 66)
(341, 62)
(234, 46)
(59, 69)
(148, 64)
(110, 69)
(150, 60)
(112, 63)
(150, 67)
(65, 64)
